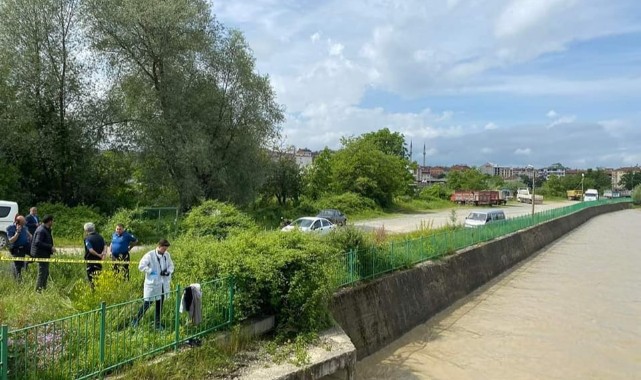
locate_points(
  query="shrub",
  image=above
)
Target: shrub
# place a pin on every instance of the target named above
(434, 192)
(68, 221)
(286, 274)
(636, 195)
(146, 229)
(349, 237)
(214, 218)
(348, 203)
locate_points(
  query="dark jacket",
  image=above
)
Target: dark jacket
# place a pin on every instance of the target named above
(32, 223)
(97, 243)
(42, 242)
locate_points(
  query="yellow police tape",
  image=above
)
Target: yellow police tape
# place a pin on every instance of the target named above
(71, 261)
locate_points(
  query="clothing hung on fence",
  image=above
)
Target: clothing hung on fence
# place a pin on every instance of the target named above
(192, 303)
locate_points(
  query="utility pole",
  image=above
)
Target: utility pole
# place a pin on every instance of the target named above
(428, 173)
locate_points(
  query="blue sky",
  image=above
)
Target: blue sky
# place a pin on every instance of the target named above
(513, 82)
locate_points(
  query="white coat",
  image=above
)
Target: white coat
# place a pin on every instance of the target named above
(155, 284)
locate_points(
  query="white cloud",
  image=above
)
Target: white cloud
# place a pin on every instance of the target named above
(336, 49)
(552, 114)
(315, 37)
(489, 126)
(487, 150)
(562, 120)
(523, 151)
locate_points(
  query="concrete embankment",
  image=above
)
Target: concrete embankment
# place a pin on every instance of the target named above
(378, 312)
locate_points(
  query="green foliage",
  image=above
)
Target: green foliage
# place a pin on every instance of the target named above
(284, 180)
(350, 238)
(469, 179)
(630, 180)
(434, 192)
(348, 203)
(636, 195)
(388, 142)
(317, 179)
(360, 167)
(68, 221)
(217, 219)
(145, 225)
(289, 274)
(195, 105)
(109, 287)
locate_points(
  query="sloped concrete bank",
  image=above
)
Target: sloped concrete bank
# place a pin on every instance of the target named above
(378, 312)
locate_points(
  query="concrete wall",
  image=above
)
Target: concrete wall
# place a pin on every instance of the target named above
(376, 313)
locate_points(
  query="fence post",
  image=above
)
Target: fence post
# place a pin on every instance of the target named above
(103, 336)
(177, 317)
(232, 286)
(4, 353)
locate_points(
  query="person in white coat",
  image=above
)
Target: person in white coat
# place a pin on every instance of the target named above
(158, 268)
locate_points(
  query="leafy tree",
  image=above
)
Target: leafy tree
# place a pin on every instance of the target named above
(362, 168)
(468, 179)
(388, 142)
(186, 94)
(283, 179)
(630, 180)
(317, 178)
(43, 92)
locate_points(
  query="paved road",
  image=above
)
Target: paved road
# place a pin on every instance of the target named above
(440, 218)
(571, 312)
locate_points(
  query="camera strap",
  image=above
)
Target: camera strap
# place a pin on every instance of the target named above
(159, 263)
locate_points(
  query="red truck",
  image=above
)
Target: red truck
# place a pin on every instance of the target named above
(478, 197)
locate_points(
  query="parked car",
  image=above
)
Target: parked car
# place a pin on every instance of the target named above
(333, 216)
(311, 224)
(8, 211)
(481, 218)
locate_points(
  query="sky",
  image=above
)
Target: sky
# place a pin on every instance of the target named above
(510, 82)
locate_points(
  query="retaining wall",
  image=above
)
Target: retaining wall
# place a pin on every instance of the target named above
(376, 313)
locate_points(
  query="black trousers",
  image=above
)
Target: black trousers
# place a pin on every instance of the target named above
(146, 305)
(20, 251)
(125, 267)
(43, 276)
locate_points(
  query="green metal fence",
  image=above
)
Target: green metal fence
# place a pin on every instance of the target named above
(363, 264)
(89, 344)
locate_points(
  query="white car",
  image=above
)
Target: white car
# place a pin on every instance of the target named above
(8, 211)
(311, 224)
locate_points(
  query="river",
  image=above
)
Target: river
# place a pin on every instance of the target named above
(573, 311)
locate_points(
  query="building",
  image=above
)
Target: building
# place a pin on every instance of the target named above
(496, 170)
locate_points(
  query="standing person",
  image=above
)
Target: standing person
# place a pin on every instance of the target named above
(94, 250)
(19, 243)
(43, 248)
(32, 220)
(121, 243)
(158, 267)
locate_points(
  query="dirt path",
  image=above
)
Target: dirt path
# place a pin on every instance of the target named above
(440, 218)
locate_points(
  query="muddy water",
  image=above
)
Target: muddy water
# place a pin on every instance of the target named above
(571, 312)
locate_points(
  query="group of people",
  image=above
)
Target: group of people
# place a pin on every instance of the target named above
(31, 236)
(156, 265)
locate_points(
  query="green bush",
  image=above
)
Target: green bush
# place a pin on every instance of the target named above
(636, 195)
(348, 203)
(434, 192)
(217, 219)
(146, 229)
(68, 222)
(349, 238)
(286, 274)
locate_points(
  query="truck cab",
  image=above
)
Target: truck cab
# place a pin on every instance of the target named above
(591, 195)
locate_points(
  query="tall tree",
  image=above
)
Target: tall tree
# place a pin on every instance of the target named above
(361, 167)
(283, 179)
(388, 142)
(43, 121)
(188, 95)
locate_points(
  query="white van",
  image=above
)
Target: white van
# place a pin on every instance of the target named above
(591, 195)
(8, 212)
(481, 218)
